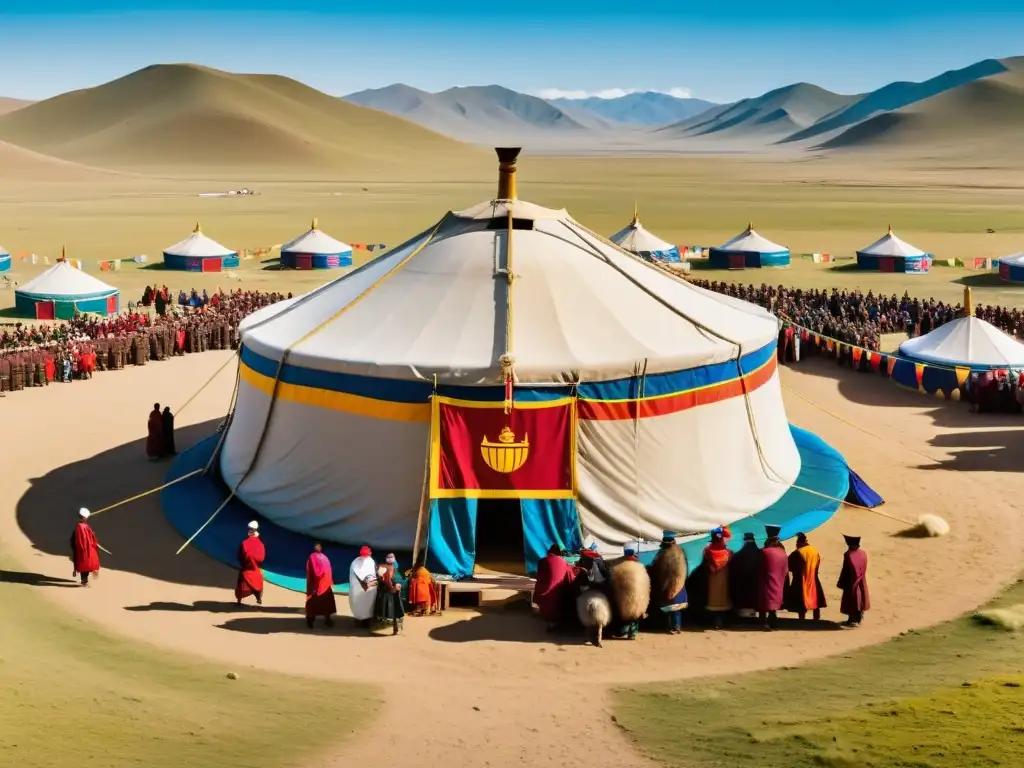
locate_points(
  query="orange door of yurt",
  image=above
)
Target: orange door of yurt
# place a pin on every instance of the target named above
(212, 265)
(45, 310)
(111, 305)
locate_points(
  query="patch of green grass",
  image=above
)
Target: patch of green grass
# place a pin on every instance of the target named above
(75, 696)
(948, 696)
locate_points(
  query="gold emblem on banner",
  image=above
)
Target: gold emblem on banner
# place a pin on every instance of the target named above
(505, 455)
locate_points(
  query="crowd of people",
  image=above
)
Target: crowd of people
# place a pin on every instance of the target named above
(859, 318)
(38, 354)
(751, 582)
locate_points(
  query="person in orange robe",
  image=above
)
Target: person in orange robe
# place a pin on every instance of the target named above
(319, 588)
(422, 589)
(805, 592)
(85, 549)
(251, 554)
(155, 438)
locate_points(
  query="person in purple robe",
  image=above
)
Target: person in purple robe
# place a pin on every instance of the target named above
(853, 580)
(772, 578)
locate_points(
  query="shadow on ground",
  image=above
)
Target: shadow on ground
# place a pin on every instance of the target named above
(138, 535)
(988, 442)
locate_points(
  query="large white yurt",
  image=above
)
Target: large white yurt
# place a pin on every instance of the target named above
(199, 253)
(63, 290)
(507, 366)
(315, 249)
(748, 250)
(889, 253)
(639, 240)
(967, 342)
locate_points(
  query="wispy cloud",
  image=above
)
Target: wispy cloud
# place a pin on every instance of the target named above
(609, 93)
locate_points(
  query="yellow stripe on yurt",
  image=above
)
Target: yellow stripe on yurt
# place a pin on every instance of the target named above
(337, 401)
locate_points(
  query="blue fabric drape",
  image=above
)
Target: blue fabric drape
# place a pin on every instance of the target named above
(547, 522)
(451, 542)
(863, 494)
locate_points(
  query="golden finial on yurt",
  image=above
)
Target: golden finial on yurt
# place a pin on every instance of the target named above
(890, 229)
(968, 308)
(750, 226)
(198, 229)
(63, 253)
(636, 213)
(313, 225)
(507, 172)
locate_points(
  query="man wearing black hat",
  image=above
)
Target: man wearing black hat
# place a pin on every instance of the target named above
(744, 569)
(668, 582)
(853, 580)
(774, 576)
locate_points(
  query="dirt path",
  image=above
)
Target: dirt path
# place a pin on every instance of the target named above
(492, 688)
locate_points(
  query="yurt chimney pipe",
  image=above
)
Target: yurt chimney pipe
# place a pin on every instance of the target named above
(507, 172)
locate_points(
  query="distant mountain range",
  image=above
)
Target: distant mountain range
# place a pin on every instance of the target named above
(648, 108)
(805, 116)
(797, 117)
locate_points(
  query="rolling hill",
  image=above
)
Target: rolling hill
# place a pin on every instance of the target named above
(9, 105)
(897, 95)
(647, 108)
(20, 164)
(171, 116)
(985, 116)
(472, 113)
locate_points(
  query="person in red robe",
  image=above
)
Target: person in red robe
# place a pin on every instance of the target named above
(553, 591)
(85, 549)
(772, 578)
(853, 580)
(319, 588)
(155, 438)
(251, 554)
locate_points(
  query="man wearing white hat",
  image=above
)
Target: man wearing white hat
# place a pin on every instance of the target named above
(85, 551)
(251, 554)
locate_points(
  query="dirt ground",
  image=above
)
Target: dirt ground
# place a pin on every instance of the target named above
(491, 688)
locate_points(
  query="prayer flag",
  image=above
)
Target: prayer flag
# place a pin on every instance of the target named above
(919, 373)
(890, 363)
(961, 375)
(479, 451)
(857, 354)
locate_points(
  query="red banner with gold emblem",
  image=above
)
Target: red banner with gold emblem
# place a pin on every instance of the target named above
(479, 451)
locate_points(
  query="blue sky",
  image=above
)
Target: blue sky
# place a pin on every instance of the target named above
(722, 51)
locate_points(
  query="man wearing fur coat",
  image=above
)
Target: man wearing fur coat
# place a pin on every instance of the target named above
(668, 582)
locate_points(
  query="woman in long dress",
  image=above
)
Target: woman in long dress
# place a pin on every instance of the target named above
(389, 609)
(362, 587)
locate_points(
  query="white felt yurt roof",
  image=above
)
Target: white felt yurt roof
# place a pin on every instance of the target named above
(890, 245)
(638, 239)
(63, 280)
(749, 241)
(581, 308)
(1014, 259)
(966, 341)
(316, 242)
(198, 245)
(3, 251)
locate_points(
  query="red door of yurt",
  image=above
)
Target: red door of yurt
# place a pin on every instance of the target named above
(303, 261)
(111, 305)
(1004, 271)
(212, 265)
(886, 264)
(737, 261)
(45, 310)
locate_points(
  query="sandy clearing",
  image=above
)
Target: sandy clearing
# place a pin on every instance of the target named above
(492, 688)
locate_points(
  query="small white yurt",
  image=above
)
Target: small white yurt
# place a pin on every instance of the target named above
(637, 239)
(748, 250)
(199, 253)
(315, 249)
(889, 253)
(63, 290)
(967, 342)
